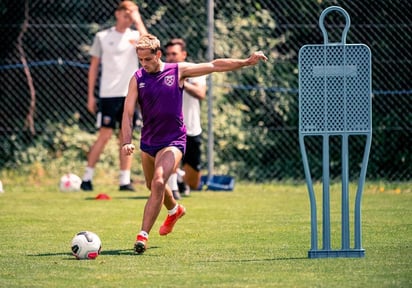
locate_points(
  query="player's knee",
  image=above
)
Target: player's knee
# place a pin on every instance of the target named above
(157, 184)
(194, 185)
(104, 136)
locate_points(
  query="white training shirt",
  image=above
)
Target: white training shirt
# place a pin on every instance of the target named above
(118, 58)
(191, 109)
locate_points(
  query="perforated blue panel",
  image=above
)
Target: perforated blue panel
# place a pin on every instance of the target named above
(335, 89)
(335, 99)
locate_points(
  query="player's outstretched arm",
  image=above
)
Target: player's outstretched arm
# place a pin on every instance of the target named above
(220, 65)
(127, 119)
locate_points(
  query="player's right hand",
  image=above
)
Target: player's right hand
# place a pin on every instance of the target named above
(135, 15)
(91, 105)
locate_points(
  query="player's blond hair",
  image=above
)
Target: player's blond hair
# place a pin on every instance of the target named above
(148, 41)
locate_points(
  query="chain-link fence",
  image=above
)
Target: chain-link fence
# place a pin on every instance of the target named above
(44, 64)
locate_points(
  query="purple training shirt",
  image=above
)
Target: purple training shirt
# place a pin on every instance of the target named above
(160, 99)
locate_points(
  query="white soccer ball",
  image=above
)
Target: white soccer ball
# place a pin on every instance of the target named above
(70, 182)
(86, 245)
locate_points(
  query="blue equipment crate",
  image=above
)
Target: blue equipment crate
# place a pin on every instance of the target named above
(217, 183)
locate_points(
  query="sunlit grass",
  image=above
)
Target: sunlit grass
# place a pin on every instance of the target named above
(256, 236)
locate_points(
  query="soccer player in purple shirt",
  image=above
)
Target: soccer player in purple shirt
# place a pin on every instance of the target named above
(158, 89)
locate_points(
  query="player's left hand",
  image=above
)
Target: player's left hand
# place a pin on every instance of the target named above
(256, 57)
(128, 149)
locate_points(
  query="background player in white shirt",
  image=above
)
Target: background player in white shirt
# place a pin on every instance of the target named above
(194, 91)
(114, 49)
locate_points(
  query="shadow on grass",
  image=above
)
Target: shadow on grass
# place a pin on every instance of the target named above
(123, 251)
(51, 254)
(69, 256)
(121, 197)
(255, 260)
(132, 197)
(116, 252)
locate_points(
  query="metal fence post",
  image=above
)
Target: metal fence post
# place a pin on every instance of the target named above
(210, 56)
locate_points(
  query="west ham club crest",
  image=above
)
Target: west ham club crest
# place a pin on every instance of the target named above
(169, 80)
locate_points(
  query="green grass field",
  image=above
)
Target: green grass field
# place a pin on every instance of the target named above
(255, 236)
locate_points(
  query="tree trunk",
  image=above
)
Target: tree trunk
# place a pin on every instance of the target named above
(29, 123)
